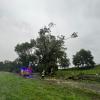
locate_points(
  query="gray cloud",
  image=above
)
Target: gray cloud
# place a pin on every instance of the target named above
(20, 21)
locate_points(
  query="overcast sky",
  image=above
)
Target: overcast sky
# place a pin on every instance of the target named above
(20, 20)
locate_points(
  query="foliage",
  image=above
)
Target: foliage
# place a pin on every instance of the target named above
(25, 52)
(10, 66)
(47, 51)
(50, 50)
(64, 61)
(83, 58)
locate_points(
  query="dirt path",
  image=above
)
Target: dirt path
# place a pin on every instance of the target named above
(35, 76)
(95, 87)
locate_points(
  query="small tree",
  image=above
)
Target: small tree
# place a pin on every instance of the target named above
(25, 52)
(83, 58)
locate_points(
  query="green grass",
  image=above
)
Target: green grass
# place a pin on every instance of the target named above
(65, 73)
(13, 87)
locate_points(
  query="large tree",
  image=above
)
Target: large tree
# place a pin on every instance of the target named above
(83, 58)
(50, 51)
(47, 50)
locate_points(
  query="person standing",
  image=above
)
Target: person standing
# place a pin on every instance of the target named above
(43, 74)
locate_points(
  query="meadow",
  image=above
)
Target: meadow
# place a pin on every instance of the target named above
(15, 87)
(93, 73)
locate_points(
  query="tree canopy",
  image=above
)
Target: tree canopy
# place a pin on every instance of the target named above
(46, 51)
(83, 58)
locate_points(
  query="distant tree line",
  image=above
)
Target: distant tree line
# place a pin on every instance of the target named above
(82, 59)
(9, 66)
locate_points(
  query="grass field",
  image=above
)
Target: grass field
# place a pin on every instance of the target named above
(65, 73)
(14, 87)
